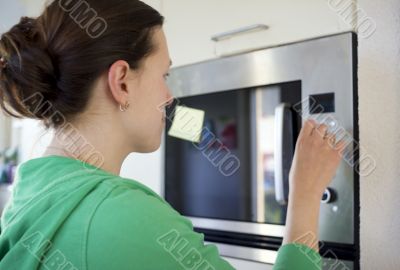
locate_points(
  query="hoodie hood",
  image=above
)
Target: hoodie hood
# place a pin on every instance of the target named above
(46, 189)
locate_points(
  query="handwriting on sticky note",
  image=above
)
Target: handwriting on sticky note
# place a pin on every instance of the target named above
(187, 124)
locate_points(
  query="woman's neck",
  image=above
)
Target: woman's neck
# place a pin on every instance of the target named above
(99, 147)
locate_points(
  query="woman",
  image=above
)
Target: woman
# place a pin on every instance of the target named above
(100, 89)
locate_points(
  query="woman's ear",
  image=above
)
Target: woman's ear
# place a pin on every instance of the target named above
(118, 76)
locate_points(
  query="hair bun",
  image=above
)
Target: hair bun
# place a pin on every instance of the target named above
(30, 72)
(26, 24)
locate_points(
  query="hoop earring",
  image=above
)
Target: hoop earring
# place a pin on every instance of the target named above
(125, 107)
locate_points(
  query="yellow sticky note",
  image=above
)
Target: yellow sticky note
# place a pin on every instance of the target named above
(187, 124)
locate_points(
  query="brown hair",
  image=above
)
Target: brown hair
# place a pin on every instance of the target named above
(60, 54)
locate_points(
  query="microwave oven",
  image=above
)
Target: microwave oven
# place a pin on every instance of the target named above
(233, 183)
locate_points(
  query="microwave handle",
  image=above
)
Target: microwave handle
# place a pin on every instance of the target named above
(284, 151)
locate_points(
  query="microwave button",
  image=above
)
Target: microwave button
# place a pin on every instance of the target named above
(328, 196)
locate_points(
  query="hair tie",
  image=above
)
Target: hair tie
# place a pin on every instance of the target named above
(3, 63)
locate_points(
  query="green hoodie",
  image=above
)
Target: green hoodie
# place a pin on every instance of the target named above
(69, 215)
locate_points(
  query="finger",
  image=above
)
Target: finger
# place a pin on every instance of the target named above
(308, 127)
(321, 131)
(331, 139)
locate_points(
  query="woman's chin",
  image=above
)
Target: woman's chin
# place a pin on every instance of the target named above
(150, 148)
(155, 148)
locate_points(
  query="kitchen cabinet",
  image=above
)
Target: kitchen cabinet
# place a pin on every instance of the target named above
(190, 25)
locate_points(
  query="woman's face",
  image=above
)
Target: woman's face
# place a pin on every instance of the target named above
(148, 96)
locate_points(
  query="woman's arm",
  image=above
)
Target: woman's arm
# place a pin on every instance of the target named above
(315, 162)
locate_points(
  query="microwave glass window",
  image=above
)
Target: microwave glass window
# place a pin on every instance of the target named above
(229, 174)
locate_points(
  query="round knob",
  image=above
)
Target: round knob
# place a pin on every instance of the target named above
(328, 196)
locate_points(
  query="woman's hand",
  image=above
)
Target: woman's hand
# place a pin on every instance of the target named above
(315, 162)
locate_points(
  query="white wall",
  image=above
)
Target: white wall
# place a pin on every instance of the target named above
(31, 138)
(5, 131)
(33, 7)
(379, 96)
(10, 12)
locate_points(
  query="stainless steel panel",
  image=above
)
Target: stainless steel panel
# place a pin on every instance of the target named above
(240, 227)
(269, 256)
(246, 253)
